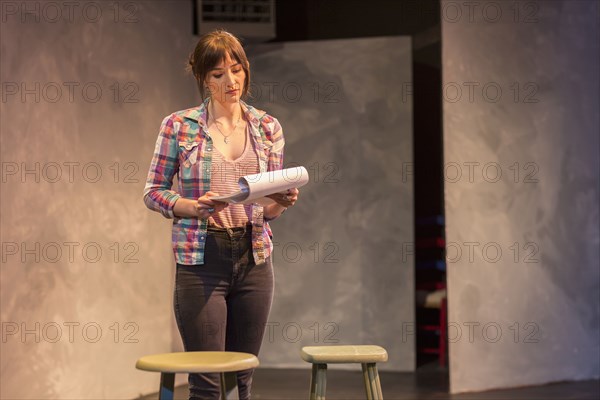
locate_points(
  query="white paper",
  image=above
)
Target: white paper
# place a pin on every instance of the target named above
(254, 188)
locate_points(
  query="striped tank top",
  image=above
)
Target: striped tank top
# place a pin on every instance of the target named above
(224, 176)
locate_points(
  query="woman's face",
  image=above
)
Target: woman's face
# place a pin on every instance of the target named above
(226, 81)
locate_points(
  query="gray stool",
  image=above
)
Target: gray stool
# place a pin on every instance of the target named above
(168, 364)
(367, 356)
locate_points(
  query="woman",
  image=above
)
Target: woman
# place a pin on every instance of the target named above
(224, 273)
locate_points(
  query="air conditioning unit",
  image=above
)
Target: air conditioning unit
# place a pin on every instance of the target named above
(252, 20)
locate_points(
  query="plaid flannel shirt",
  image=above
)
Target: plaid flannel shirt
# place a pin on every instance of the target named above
(184, 147)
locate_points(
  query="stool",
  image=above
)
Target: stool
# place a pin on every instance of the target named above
(168, 364)
(367, 356)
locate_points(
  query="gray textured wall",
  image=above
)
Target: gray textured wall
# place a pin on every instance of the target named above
(145, 46)
(529, 314)
(343, 263)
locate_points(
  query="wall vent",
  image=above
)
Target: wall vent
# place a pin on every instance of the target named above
(252, 20)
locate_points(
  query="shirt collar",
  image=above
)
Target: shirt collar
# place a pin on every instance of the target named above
(200, 114)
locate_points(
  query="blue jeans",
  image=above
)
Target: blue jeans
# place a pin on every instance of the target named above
(223, 304)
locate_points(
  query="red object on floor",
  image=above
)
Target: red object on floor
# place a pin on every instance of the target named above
(441, 326)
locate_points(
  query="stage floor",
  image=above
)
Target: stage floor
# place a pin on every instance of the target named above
(429, 382)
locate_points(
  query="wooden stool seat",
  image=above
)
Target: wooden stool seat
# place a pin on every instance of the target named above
(344, 354)
(366, 355)
(168, 364)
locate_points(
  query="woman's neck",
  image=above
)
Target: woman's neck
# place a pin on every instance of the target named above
(230, 111)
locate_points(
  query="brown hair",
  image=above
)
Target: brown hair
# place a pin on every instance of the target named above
(212, 49)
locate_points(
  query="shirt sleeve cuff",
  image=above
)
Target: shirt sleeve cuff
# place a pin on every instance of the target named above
(172, 199)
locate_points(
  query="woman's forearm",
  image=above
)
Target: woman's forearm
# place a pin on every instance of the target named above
(272, 211)
(185, 208)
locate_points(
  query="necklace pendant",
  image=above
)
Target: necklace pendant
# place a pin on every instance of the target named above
(226, 140)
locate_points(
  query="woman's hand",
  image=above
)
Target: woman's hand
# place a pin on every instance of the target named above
(286, 199)
(205, 207)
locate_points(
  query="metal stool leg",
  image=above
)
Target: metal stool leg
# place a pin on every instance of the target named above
(167, 384)
(318, 382)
